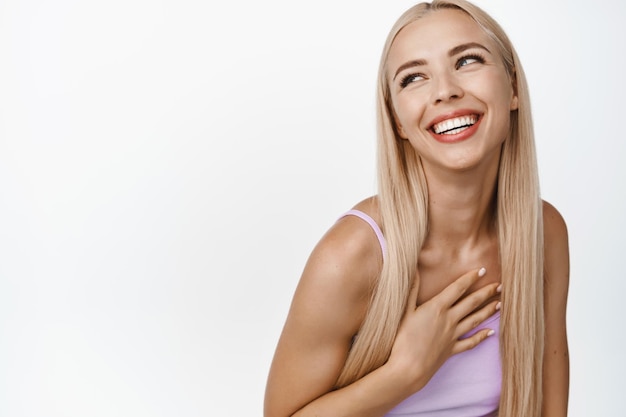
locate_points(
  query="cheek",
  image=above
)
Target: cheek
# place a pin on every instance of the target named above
(492, 85)
(408, 111)
(502, 92)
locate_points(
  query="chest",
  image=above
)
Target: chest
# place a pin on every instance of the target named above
(468, 383)
(438, 268)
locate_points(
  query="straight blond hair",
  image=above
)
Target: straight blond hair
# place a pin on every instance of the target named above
(403, 202)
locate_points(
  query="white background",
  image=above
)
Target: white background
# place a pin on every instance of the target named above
(167, 166)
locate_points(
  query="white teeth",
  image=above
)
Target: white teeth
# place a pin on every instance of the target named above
(452, 126)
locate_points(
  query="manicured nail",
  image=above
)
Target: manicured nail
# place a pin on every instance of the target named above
(499, 289)
(482, 272)
(498, 305)
(491, 333)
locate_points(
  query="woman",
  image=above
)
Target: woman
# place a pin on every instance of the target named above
(455, 305)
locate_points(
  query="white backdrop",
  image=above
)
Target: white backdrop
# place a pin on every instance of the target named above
(167, 166)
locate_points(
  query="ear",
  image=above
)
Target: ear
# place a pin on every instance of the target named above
(514, 102)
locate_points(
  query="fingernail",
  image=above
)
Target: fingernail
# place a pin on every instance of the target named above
(482, 272)
(491, 333)
(499, 289)
(498, 305)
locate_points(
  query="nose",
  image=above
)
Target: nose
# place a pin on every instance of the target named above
(446, 88)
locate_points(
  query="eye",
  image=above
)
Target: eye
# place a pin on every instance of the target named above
(411, 78)
(469, 59)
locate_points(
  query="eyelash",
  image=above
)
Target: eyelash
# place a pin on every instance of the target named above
(406, 80)
(477, 57)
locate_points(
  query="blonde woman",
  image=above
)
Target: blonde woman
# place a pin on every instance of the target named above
(445, 294)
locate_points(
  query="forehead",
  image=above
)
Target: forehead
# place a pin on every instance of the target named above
(435, 34)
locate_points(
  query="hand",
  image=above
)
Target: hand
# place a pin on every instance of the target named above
(429, 334)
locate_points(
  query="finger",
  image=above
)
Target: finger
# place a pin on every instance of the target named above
(474, 301)
(472, 341)
(455, 291)
(472, 321)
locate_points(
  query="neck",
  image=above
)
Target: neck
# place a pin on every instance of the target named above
(461, 206)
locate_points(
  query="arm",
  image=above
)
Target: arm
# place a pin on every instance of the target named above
(556, 282)
(327, 310)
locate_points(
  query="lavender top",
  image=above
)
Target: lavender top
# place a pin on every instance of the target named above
(468, 384)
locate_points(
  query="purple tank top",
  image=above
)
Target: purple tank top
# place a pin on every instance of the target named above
(467, 385)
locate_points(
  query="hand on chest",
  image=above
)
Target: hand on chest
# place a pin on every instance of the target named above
(438, 267)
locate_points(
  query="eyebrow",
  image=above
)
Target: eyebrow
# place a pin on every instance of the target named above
(452, 52)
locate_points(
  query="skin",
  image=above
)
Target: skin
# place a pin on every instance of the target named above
(331, 299)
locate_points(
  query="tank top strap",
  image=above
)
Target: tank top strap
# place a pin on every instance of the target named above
(373, 225)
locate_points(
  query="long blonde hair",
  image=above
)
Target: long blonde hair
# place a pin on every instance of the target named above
(403, 202)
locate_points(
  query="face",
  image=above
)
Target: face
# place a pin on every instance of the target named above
(450, 91)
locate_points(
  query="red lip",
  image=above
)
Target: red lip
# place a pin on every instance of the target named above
(465, 134)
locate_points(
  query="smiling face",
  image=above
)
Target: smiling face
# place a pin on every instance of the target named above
(450, 92)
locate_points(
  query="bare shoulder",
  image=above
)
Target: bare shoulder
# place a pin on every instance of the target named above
(556, 247)
(348, 258)
(553, 222)
(370, 207)
(340, 274)
(327, 310)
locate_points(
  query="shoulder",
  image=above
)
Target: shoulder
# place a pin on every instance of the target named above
(555, 238)
(327, 310)
(363, 236)
(339, 276)
(553, 223)
(349, 256)
(556, 253)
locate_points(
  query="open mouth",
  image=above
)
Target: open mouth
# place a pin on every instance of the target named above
(455, 125)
